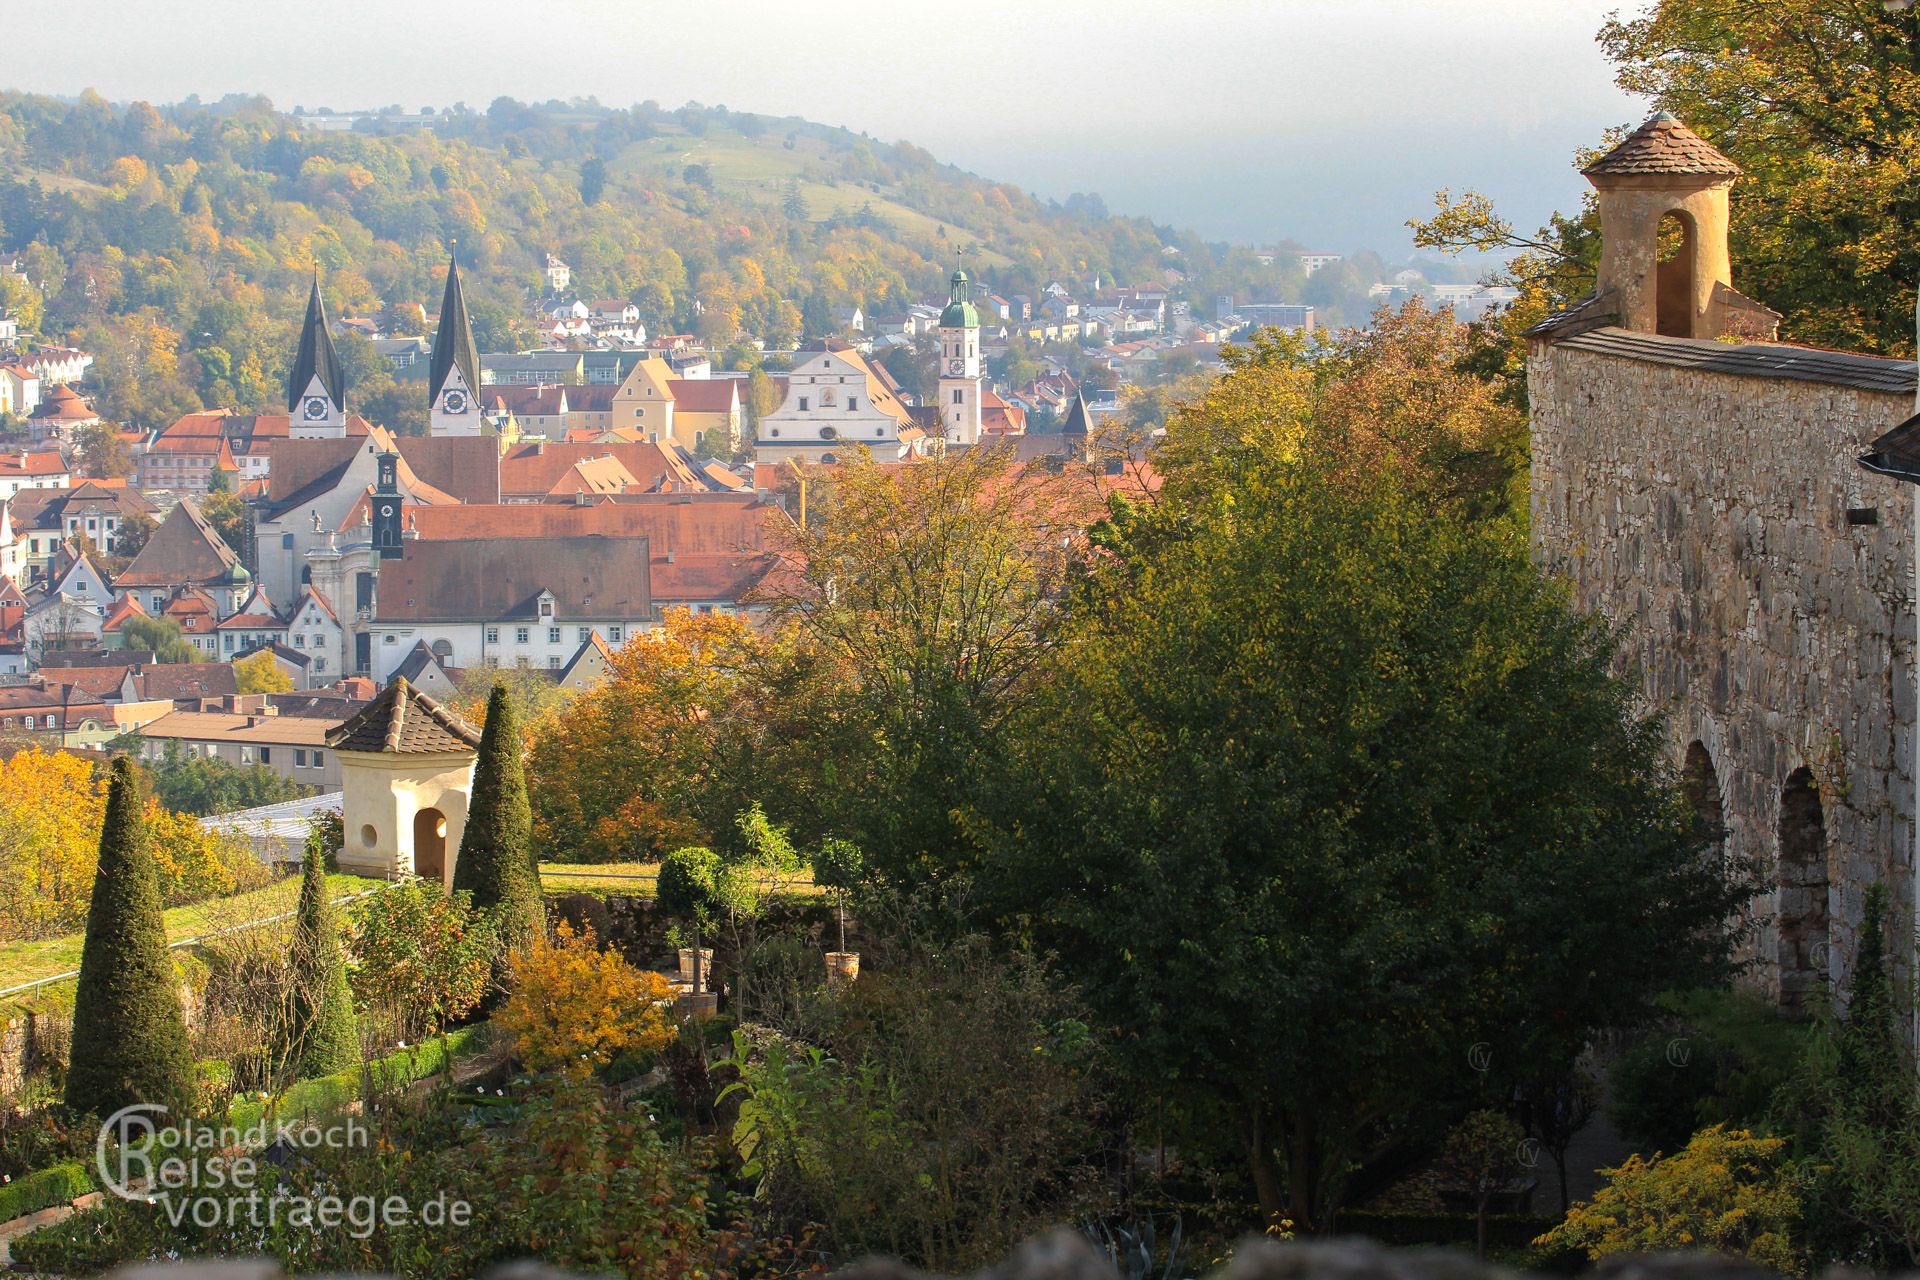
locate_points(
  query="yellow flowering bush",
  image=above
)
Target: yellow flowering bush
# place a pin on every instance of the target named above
(1726, 1192)
(575, 1006)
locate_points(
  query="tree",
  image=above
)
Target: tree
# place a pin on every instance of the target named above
(698, 718)
(933, 589)
(593, 179)
(837, 868)
(1819, 104)
(323, 1034)
(131, 537)
(496, 864)
(1854, 1110)
(1336, 753)
(226, 511)
(1482, 1154)
(104, 455)
(261, 674)
(129, 1037)
(202, 785)
(795, 203)
(163, 637)
(690, 890)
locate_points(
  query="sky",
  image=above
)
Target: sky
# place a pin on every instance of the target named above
(1329, 122)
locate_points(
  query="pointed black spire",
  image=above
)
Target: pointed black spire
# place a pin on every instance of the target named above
(1079, 422)
(316, 356)
(453, 340)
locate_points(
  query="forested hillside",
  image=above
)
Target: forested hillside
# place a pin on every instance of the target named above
(177, 242)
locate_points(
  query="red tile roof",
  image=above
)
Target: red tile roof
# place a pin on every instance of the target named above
(705, 395)
(691, 523)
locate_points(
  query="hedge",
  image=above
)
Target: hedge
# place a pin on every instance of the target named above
(324, 1094)
(59, 1184)
(43, 1189)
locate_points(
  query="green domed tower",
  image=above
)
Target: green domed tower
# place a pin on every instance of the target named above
(960, 364)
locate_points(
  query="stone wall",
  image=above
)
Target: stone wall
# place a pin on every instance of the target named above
(1707, 513)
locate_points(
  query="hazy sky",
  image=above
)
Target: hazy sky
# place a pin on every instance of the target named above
(1328, 120)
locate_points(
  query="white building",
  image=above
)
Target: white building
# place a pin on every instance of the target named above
(834, 400)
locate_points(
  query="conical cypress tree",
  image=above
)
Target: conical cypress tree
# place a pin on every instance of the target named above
(129, 1037)
(496, 863)
(324, 1034)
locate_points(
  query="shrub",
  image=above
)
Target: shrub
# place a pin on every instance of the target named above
(422, 958)
(575, 1006)
(496, 863)
(950, 1110)
(323, 1033)
(1719, 1060)
(572, 1179)
(1727, 1191)
(129, 1037)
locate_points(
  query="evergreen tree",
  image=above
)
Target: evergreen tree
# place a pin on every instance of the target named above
(322, 1031)
(496, 863)
(129, 1037)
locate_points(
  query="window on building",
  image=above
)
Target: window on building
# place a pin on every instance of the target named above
(959, 396)
(519, 635)
(613, 635)
(493, 635)
(390, 639)
(266, 755)
(546, 608)
(853, 404)
(803, 404)
(299, 641)
(553, 661)
(586, 634)
(553, 635)
(319, 759)
(319, 664)
(299, 758)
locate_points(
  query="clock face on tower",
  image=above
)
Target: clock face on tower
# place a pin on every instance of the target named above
(314, 409)
(455, 401)
(956, 366)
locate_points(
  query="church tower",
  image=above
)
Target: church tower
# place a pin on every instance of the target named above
(317, 387)
(453, 385)
(960, 365)
(385, 507)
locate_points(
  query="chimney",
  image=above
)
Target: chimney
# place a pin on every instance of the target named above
(669, 555)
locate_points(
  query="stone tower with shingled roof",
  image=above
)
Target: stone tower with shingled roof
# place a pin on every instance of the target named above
(1665, 175)
(406, 780)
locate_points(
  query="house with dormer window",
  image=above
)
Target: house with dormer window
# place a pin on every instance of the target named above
(508, 602)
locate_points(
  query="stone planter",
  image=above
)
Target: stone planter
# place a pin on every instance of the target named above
(705, 1005)
(706, 965)
(843, 966)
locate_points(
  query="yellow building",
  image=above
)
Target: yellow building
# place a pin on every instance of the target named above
(644, 401)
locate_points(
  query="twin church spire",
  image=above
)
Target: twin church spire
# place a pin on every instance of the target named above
(317, 383)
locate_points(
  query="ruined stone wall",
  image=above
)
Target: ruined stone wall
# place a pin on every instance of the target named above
(1706, 513)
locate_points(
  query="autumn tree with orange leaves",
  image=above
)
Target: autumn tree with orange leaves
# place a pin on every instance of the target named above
(51, 807)
(696, 721)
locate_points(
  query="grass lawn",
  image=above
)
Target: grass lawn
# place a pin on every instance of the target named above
(625, 877)
(25, 961)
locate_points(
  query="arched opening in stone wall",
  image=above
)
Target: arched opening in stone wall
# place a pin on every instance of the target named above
(1677, 244)
(1801, 885)
(1700, 784)
(430, 844)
